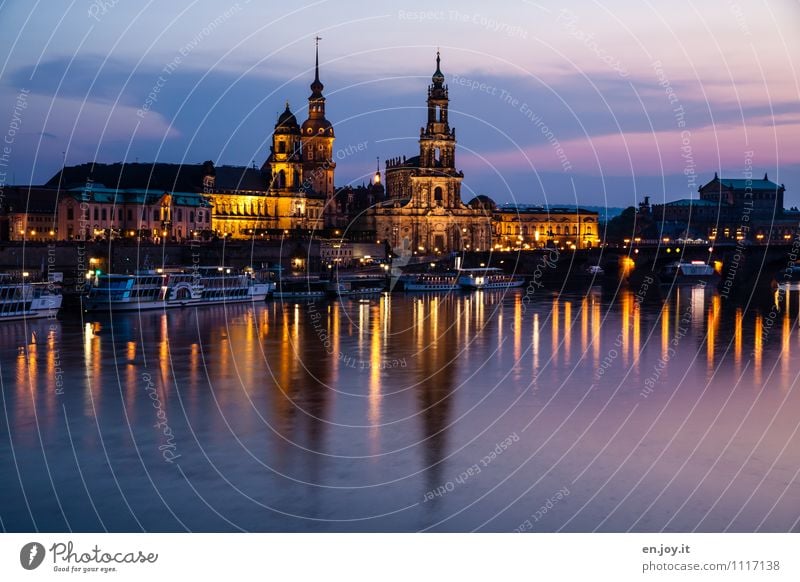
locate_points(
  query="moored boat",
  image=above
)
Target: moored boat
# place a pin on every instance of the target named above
(166, 288)
(303, 287)
(691, 273)
(356, 287)
(441, 281)
(23, 300)
(488, 278)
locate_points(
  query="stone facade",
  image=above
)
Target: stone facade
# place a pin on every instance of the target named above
(530, 227)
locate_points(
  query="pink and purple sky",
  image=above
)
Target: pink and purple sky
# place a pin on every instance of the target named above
(582, 102)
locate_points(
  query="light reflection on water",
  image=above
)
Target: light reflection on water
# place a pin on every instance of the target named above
(346, 415)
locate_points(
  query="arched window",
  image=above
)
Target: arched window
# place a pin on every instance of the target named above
(180, 215)
(574, 230)
(437, 194)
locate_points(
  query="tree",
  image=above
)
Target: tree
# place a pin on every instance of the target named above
(621, 227)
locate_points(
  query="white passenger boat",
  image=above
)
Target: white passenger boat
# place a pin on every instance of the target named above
(488, 278)
(302, 287)
(691, 273)
(165, 288)
(442, 281)
(28, 300)
(356, 287)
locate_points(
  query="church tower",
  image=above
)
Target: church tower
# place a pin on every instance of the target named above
(317, 138)
(438, 183)
(284, 165)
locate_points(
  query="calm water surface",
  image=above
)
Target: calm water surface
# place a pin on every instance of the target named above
(490, 411)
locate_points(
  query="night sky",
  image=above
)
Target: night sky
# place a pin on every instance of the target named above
(594, 103)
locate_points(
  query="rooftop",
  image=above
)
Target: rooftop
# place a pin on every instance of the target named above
(690, 202)
(743, 183)
(526, 208)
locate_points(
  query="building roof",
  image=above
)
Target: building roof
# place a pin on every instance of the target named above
(690, 202)
(236, 178)
(287, 122)
(743, 184)
(412, 162)
(482, 202)
(31, 199)
(530, 208)
(140, 197)
(162, 177)
(156, 176)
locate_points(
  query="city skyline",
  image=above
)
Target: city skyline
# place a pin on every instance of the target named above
(583, 120)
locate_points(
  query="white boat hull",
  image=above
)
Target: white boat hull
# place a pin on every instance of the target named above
(38, 305)
(423, 287)
(472, 285)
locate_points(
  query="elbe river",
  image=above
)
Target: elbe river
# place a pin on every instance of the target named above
(490, 411)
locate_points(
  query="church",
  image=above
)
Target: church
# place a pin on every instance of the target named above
(423, 211)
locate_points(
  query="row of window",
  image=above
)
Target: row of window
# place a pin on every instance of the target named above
(159, 214)
(337, 253)
(542, 230)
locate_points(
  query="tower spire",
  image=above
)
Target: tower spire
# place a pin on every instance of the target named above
(438, 77)
(316, 86)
